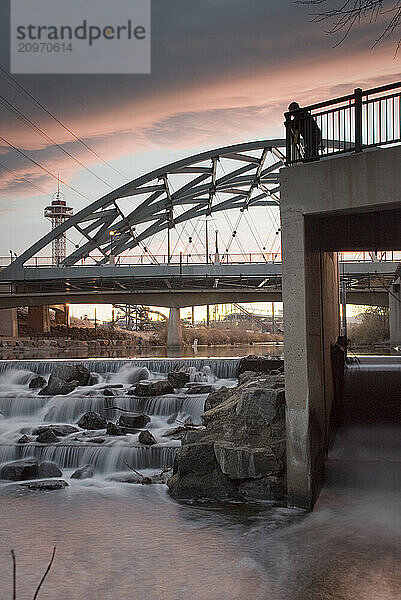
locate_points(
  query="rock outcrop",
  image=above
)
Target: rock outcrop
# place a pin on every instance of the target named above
(260, 364)
(113, 429)
(21, 470)
(47, 437)
(133, 421)
(152, 388)
(92, 420)
(146, 438)
(240, 454)
(46, 485)
(85, 472)
(178, 379)
(37, 382)
(64, 379)
(60, 430)
(217, 397)
(48, 469)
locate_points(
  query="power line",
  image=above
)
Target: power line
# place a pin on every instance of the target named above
(32, 97)
(37, 129)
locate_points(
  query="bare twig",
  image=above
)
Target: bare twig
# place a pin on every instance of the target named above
(184, 424)
(49, 566)
(14, 575)
(349, 13)
(144, 480)
(165, 470)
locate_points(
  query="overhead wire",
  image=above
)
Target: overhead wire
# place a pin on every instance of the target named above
(8, 106)
(26, 92)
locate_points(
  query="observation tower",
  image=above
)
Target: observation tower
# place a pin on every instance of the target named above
(58, 212)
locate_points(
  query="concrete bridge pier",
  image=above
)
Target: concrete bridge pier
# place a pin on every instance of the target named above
(394, 301)
(174, 329)
(311, 325)
(39, 318)
(62, 314)
(8, 316)
(347, 203)
(8, 322)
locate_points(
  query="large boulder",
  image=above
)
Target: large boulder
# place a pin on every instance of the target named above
(85, 472)
(196, 475)
(243, 462)
(46, 485)
(47, 437)
(37, 382)
(178, 379)
(20, 470)
(113, 429)
(217, 397)
(260, 364)
(192, 436)
(260, 406)
(92, 420)
(71, 373)
(245, 428)
(60, 430)
(272, 488)
(153, 388)
(24, 439)
(58, 387)
(199, 388)
(49, 469)
(146, 438)
(133, 420)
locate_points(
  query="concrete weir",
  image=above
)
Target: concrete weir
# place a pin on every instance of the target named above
(353, 203)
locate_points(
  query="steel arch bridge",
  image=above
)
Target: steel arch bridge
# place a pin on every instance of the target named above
(239, 176)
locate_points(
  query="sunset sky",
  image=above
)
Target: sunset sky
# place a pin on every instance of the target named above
(222, 71)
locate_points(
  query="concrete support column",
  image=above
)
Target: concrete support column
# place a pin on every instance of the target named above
(63, 316)
(39, 318)
(174, 330)
(8, 322)
(311, 326)
(394, 301)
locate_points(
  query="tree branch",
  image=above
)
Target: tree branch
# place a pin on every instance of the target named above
(49, 566)
(352, 12)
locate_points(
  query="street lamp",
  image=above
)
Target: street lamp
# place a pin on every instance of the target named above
(180, 263)
(112, 235)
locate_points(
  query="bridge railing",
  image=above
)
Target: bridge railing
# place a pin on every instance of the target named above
(364, 119)
(151, 259)
(197, 259)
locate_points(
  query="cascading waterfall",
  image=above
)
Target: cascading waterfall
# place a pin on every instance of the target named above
(22, 410)
(223, 368)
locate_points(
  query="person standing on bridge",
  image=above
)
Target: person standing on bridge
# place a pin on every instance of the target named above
(304, 126)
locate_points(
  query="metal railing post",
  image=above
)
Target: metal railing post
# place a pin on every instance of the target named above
(358, 119)
(288, 139)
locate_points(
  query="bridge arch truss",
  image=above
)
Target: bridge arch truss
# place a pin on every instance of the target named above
(241, 176)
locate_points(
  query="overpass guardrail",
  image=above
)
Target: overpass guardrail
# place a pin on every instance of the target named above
(364, 119)
(197, 259)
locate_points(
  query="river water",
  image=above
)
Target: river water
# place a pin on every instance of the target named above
(122, 541)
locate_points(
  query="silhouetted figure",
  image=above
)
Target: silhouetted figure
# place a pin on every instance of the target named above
(304, 126)
(338, 361)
